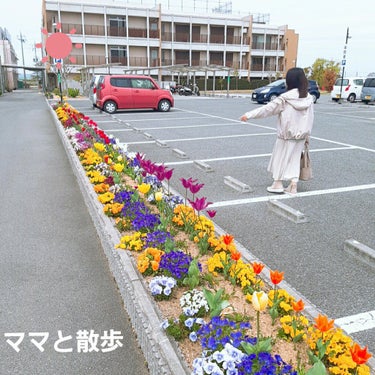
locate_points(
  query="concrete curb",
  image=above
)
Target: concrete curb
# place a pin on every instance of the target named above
(161, 354)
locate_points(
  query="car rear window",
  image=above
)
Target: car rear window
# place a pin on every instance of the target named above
(120, 82)
(369, 82)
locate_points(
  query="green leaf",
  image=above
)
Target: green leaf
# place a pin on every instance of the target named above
(261, 346)
(317, 369)
(215, 301)
(249, 348)
(264, 345)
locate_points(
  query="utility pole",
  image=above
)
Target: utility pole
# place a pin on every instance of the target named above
(343, 63)
(22, 39)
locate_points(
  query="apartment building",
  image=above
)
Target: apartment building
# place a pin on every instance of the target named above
(8, 75)
(119, 36)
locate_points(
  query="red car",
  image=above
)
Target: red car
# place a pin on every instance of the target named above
(115, 92)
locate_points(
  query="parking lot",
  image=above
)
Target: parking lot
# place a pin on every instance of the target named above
(202, 138)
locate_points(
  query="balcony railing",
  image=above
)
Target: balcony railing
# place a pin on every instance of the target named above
(113, 31)
(268, 46)
(119, 59)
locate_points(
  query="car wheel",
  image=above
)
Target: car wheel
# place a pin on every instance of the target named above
(351, 98)
(164, 105)
(110, 106)
(273, 97)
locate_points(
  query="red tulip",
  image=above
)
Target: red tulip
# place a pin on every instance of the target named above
(276, 277)
(257, 267)
(228, 239)
(236, 256)
(359, 356)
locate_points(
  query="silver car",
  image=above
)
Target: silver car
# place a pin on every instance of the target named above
(368, 90)
(92, 90)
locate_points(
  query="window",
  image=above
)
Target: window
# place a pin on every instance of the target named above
(358, 82)
(139, 83)
(370, 82)
(117, 26)
(118, 55)
(345, 82)
(120, 82)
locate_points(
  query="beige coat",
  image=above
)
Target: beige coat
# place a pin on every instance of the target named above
(295, 115)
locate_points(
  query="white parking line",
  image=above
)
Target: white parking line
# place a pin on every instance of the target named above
(357, 323)
(182, 127)
(251, 156)
(218, 137)
(236, 202)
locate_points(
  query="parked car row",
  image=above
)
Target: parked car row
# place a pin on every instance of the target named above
(354, 89)
(348, 88)
(113, 92)
(274, 89)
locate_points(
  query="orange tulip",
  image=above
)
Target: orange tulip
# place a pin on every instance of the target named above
(359, 356)
(276, 277)
(235, 255)
(227, 239)
(323, 324)
(257, 267)
(298, 306)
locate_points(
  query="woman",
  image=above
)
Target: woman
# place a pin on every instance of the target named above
(295, 114)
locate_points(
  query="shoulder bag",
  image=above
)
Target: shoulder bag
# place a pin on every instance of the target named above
(305, 169)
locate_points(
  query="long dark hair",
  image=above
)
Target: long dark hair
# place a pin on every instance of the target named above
(296, 79)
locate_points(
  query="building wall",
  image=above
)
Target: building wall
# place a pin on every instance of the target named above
(291, 50)
(8, 56)
(130, 36)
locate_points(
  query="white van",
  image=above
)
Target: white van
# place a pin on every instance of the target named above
(351, 88)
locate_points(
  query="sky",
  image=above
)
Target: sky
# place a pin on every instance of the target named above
(321, 25)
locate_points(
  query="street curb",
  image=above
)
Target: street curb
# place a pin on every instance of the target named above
(162, 355)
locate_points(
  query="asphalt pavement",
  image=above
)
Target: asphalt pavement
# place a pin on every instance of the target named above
(60, 310)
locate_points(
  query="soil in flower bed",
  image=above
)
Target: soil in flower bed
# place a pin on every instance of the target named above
(291, 353)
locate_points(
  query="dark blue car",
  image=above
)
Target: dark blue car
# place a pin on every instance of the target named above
(273, 90)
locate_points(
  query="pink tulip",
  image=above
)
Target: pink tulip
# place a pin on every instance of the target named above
(195, 188)
(168, 173)
(186, 183)
(200, 204)
(211, 213)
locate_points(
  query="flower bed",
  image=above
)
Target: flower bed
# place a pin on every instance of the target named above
(226, 319)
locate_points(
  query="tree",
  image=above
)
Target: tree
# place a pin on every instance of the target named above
(329, 79)
(324, 72)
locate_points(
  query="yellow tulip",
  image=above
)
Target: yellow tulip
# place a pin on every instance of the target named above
(259, 301)
(144, 188)
(158, 196)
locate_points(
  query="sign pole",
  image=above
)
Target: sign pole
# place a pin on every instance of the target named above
(343, 63)
(59, 82)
